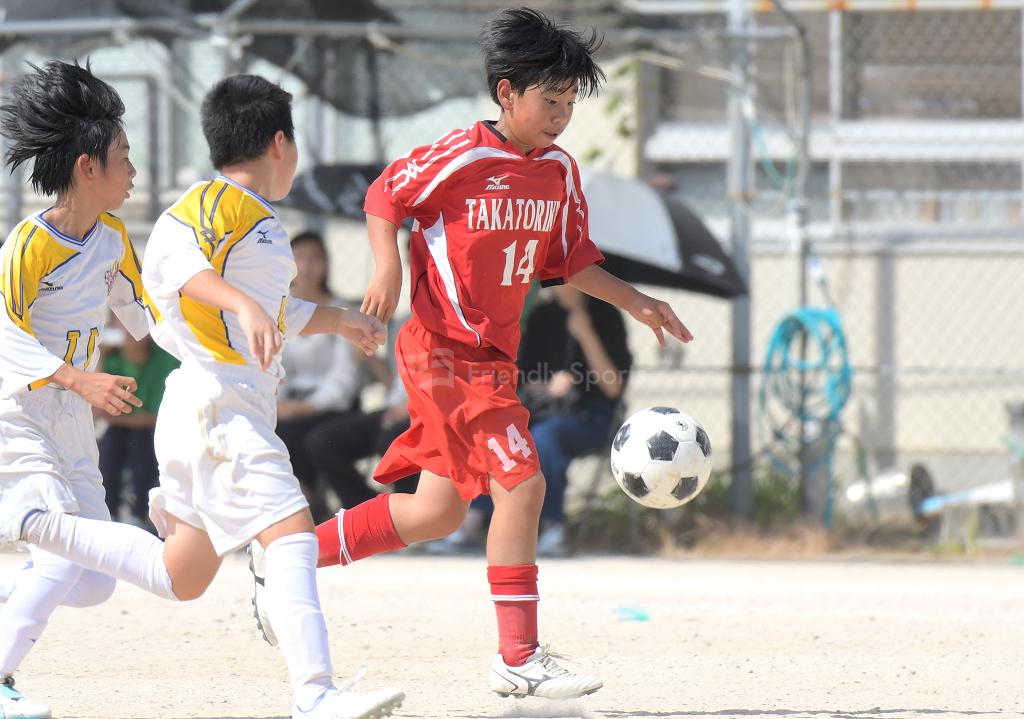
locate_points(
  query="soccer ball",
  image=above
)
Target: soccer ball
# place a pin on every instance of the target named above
(661, 457)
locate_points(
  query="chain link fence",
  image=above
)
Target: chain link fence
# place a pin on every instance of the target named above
(914, 207)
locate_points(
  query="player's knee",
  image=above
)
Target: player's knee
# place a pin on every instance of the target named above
(527, 497)
(532, 491)
(91, 589)
(189, 593)
(442, 521)
(188, 590)
(450, 522)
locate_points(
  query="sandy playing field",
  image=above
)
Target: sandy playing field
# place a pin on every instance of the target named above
(826, 639)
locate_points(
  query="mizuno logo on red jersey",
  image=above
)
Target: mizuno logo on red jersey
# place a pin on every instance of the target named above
(500, 213)
(497, 183)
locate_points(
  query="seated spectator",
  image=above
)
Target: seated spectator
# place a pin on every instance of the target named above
(573, 363)
(126, 446)
(324, 373)
(336, 445)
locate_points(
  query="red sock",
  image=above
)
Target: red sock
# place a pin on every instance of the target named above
(367, 530)
(514, 591)
(330, 543)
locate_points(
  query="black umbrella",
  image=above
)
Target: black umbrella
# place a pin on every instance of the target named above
(332, 190)
(650, 238)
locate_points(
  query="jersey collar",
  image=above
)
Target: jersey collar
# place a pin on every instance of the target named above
(57, 233)
(505, 144)
(255, 195)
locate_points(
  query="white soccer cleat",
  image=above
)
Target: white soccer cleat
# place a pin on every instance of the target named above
(338, 704)
(541, 676)
(15, 706)
(23, 500)
(257, 565)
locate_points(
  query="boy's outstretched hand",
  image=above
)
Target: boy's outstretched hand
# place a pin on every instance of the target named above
(364, 331)
(659, 316)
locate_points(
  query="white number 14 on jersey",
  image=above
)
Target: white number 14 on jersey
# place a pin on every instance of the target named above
(525, 267)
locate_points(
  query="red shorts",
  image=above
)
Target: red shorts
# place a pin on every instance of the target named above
(467, 422)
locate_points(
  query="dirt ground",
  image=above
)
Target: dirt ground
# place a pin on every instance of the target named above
(671, 638)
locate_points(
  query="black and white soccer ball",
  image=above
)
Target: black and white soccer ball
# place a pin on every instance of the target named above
(661, 457)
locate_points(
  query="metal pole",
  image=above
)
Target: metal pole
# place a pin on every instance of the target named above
(375, 114)
(646, 105)
(153, 106)
(675, 7)
(1018, 475)
(884, 440)
(12, 180)
(835, 107)
(742, 489)
(798, 218)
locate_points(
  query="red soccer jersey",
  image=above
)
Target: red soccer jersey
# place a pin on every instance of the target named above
(487, 220)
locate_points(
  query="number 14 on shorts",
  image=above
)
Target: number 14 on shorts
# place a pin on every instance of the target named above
(517, 444)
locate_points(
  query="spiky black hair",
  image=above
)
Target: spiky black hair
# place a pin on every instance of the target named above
(240, 116)
(56, 114)
(526, 48)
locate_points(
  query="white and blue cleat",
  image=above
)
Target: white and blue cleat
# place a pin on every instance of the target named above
(13, 705)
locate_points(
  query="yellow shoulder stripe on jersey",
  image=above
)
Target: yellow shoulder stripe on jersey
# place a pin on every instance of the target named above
(130, 266)
(33, 255)
(221, 216)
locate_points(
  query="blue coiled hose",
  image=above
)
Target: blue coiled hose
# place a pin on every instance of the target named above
(827, 384)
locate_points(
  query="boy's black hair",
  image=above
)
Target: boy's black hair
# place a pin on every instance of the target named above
(240, 116)
(56, 114)
(526, 48)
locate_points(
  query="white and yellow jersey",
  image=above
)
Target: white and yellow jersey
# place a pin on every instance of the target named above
(222, 226)
(56, 290)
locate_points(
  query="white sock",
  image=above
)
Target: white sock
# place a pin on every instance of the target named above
(92, 588)
(293, 606)
(120, 550)
(40, 590)
(9, 581)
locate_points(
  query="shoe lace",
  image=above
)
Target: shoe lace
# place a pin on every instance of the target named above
(351, 681)
(548, 661)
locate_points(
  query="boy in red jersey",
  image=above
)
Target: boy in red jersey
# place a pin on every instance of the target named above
(494, 206)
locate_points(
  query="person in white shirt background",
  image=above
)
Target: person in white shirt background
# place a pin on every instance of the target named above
(324, 376)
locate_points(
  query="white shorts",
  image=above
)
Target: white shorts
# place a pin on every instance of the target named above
(223, 469)
(47, 438)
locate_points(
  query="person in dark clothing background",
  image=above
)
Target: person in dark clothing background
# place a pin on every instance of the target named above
(126, 446)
